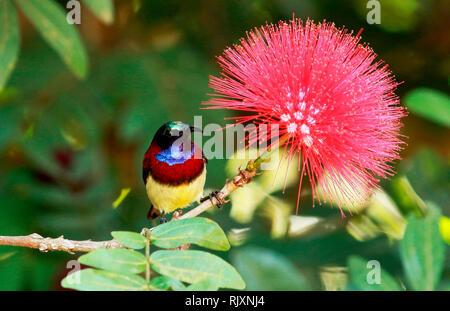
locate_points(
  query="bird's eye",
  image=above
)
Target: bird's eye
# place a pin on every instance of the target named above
(173, 133)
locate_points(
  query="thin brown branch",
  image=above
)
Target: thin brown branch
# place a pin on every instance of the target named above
(244, 177)
(61, 244)
(57, 244)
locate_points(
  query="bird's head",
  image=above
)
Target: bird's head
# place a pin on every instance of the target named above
(173, 131)
(172, 145)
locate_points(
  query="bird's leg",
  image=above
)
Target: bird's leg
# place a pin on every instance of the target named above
(162, 219)
(211, 196)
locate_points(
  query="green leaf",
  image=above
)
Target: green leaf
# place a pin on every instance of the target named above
(103, 9)
(9, 40)
(50, 20)
(203, 285)
(359, 273)
(165, 283)
(201, 231)
(119, 260)
(264, 269)
(431, 104)
(100, 280)
(194, 266)
(130, 239)
(423, 251)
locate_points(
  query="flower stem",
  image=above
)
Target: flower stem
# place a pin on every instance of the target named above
(265, 156)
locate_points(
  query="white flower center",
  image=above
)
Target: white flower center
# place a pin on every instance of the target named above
(298, 115)
(292, 128)
(304, 129)
(308, 140)
(298, 120)
(301, 105)
(301, 95)
(285, 117)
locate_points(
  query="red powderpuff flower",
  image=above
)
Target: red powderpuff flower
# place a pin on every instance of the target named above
(335, 106)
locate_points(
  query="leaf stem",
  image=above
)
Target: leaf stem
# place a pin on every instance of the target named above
(147, 256)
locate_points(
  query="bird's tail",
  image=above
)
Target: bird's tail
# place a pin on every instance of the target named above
(153, 213)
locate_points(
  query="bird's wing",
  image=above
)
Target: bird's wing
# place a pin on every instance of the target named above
(205, 160)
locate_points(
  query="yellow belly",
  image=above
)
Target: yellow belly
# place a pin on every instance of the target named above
(167, 198)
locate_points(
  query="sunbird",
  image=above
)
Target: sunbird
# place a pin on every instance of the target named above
(174, 170)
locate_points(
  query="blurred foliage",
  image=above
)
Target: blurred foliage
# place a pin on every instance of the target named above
(69, 147)
(276, 177)
(51, 22)
(396, 15)
(380, 216)
(430, 104)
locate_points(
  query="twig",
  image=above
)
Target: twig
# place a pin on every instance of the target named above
(61, 244)
(244, 177)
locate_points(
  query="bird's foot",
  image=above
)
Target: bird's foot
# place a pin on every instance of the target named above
(214, 195)
(177, 214)
(241, 179)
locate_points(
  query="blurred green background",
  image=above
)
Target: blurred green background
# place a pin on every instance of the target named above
(68, 146)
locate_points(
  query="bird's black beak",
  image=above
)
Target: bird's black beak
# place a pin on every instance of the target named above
(195, 129)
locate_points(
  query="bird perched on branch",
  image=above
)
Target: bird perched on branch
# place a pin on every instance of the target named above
(174, 170)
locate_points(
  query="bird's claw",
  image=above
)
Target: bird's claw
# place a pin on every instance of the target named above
(177, 214)
(214, 195)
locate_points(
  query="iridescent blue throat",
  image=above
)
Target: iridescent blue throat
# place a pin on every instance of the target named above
(174, 155)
